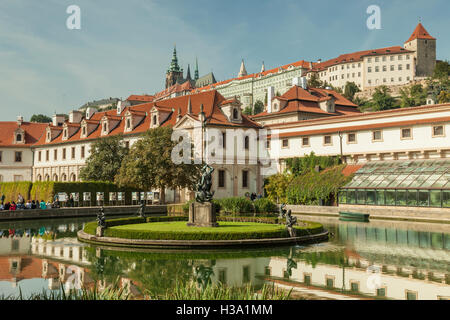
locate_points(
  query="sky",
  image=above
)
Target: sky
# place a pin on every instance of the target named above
(125, 47)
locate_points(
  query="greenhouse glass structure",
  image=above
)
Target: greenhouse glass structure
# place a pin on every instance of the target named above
(415, 183)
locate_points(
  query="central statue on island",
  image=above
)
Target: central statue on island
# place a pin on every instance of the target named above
(202, 212)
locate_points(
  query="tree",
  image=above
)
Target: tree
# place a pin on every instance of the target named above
(41, 118)
(381, 99)
(247, 111)
(350, 90)
(314, 81)
(443, 97)
(258, 107)
(277, 185)
(105, 159)
(441, 70)
(149, 165)
(414, 95)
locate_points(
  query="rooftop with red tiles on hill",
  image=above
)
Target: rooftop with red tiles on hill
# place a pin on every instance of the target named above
(300, 100)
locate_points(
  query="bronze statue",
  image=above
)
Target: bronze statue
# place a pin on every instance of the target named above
(141, 211)
(101, 218)
(203, 193)
(290, 222)
(282, 211)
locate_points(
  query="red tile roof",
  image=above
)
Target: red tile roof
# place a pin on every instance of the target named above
(357, 56)
(420, 33)
(301, 100)
(33, 131)
(140, 98)
(351, 168)
(211, 101)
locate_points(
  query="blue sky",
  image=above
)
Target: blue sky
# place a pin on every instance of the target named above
(124, 47)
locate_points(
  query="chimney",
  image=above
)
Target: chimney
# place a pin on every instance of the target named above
(122, 105)
(270, 95)
(58, 120)
(304, 83)
(89, 112)
(75, 116)
(296, 81)
(19, 120)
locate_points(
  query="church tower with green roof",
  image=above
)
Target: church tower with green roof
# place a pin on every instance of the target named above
(174, 73)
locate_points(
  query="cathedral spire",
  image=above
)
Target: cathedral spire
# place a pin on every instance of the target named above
(174, 63)
(196, 70)
(188, 73)
(242, 71)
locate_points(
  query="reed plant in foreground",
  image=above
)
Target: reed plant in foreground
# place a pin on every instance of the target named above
(189, 291)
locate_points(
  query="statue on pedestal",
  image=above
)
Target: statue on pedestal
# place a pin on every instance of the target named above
(290, 222)
(203, 193)
(202, 212)
(141, 211)
(101, 222)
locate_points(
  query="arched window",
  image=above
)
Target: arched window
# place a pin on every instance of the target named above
(47, 177)
(73, 177)
(63, 177)
(55, 177)
(154, 120)
(39, 177)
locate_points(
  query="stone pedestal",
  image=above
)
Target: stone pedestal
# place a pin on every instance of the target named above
(202, 215)
(99, 232)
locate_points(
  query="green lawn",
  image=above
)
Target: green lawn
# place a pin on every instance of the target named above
(180, 226)
(178, 230)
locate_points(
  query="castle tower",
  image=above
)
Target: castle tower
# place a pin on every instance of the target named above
(174, 73)
(425, 47)
(242, 71)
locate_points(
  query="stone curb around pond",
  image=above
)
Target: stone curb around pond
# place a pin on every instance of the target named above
(190, 244)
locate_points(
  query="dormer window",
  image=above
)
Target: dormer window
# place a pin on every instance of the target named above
(49, 136)
(19, 137)
(65, 133)
(235, 114)
(128, 123)
(104, 127)
(84, 131)
(154, 120)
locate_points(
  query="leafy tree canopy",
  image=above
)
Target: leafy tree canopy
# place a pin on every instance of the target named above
(258, 107)
(41, 118)
(149, 164)
(414, 95)
(381, 99)
(105, 159)
(350, 90)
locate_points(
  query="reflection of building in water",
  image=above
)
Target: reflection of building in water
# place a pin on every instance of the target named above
(239, 272)
(14, 245)
(66, 249)
(384, 262)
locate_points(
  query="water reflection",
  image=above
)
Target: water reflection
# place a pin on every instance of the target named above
(376, 260)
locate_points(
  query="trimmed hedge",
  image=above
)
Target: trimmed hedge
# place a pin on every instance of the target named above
(91, 227)
(236, 205)
(11, 190)
(45, 190)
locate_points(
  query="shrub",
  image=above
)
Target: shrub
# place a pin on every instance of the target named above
(276, 186)
(11, 190)
(302, 165)
(309, 188)
(264, 205)
(236, 205)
